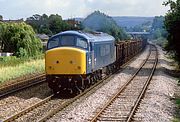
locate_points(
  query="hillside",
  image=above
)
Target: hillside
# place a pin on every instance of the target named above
(98, 21)
(132, 21)
(128, 21)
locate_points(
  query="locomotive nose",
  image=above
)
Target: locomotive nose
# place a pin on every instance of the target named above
(65, 60)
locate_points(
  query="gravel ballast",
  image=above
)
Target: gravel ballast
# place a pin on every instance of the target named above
(83, 110)
(157, 105)
(21, 100)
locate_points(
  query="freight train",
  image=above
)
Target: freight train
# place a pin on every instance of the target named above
(75, 60)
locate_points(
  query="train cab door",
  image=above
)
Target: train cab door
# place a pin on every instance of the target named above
(92, 56)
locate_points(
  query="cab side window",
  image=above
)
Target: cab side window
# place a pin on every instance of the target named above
(54, 42)
(81, 42)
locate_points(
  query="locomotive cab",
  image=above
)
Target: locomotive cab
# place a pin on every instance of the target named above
(66, 55)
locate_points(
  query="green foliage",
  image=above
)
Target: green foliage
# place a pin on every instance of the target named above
(172, 24)
(161, 41)
(49, 25)
(22, 52)
(14, 61)
(20, 39)
(25, 68)
(55, 23)
(141, 28)
(98, 21)
(177, 118)
(178, 102)
(157, 29)
(1, 17)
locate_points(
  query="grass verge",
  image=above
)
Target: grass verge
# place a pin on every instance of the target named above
(21, 69)
(177, 117)
(14, 61)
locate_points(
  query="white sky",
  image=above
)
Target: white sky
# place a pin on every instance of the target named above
(14, 9)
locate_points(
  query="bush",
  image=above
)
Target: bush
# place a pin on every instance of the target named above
(20, 39)
(172, 24)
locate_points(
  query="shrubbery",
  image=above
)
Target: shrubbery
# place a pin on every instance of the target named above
(172, 24)
(19, 39)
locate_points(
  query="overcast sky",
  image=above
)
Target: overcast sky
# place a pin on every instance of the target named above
(14, 9)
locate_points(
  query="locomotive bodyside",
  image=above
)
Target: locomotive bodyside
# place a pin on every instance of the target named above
(75, 60)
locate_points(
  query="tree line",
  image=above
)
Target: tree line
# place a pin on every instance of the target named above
(20, 38)
(50, 25)
(172, 25)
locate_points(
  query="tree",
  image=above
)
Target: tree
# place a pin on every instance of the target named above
(20, 39)
(55, 23)
(39, 23)
(49, 25)
(172, 24)
(1, 17)
(158, 28)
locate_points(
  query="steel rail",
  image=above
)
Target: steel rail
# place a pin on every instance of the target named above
(7, 90)
(63, 104)
(5, 86)
(15, 116)
(95, 118)
(144, 89)
(66, 103)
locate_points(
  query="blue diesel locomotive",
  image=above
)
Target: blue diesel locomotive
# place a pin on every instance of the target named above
(74, 60)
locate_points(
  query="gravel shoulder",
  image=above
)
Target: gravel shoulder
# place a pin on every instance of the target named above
(18, 101)
(83, 110)
(157, 105)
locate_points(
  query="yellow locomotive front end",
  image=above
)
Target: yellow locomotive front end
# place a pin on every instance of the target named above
(65, 61)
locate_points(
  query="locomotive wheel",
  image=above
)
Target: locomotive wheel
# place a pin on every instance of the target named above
(79, 82)
(87, 83)
(107, 71)
(92, 80)
(76, 89)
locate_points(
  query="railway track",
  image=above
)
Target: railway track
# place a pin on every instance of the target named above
(51, 104)
(61, 103)
(50, 101)
(8, 89)
(123, 105)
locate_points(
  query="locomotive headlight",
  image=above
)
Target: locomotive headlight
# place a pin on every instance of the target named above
(71, 62)
(79, 67)
(89, 61)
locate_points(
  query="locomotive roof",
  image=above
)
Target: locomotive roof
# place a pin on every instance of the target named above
(93, 36)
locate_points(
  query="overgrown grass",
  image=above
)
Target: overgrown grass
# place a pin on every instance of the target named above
(16, 68)
(13, 60)
(177, 118)
(178, 103)
(160, 41)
